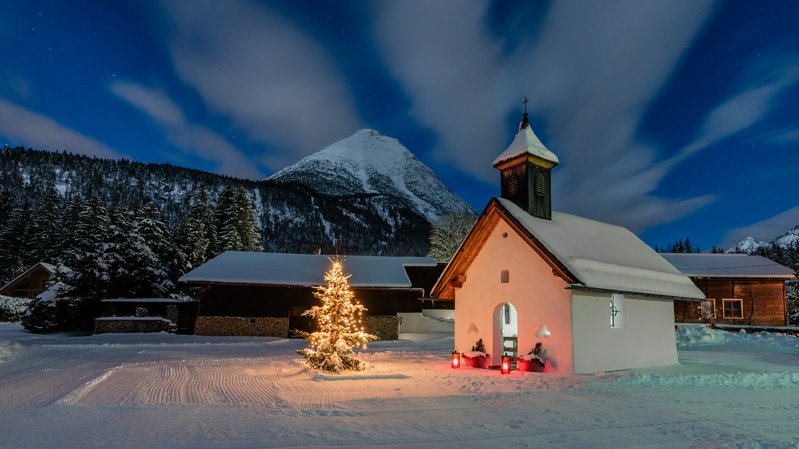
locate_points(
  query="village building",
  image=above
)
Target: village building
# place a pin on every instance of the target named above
(32, 281)
(595, 295)
(740, 289)
(255, 293)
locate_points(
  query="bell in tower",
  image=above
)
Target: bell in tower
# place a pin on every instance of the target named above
(524, 169)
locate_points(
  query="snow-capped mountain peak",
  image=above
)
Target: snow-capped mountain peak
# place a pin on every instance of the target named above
(371, 163)
(747, 245)
(790, 238)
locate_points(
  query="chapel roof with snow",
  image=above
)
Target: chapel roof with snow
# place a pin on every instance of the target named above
(587, 254)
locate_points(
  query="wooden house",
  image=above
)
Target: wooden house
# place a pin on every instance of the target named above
(32, 281)
(253, 293)
(595, 295)
(740, 289)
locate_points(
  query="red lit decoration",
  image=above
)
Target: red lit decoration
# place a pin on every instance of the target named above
(455, 362)
(505, 367)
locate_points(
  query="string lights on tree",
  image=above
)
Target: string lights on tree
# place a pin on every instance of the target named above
(339, 326)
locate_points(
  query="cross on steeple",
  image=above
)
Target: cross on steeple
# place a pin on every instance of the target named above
(525, 122)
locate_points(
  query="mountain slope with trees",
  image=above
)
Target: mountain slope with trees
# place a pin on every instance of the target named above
(74, 210)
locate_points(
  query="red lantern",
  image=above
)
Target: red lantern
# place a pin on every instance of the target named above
(455, 362)
(505, 367)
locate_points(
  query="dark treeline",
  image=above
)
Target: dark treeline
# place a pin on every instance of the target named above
(150, 223)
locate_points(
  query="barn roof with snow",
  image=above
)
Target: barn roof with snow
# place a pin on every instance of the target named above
(728, 266)
(587, 254)
(302, 270)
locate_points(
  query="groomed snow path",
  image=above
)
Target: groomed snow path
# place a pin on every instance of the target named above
(167, 391)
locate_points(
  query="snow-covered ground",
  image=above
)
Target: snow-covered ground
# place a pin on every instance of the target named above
(168, 391)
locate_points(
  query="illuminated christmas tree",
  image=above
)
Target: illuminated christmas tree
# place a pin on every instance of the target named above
(339, 329)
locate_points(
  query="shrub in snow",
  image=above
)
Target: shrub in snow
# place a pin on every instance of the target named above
(12, 309)
(478, 350)
(51, 311)
(534, 355)
(339, 325)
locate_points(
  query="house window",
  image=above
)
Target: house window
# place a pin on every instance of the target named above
(504, 276)
(617, 311)
(733, 308)
(708, 309)
(507, 313)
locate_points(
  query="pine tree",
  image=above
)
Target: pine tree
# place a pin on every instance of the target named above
(46, 228)
(153, 230)
(203, 213)
(89, 276)
(6, 205)
(15, 241)
(235, 218)
(245, 219)
(225, 218)
(338, 320)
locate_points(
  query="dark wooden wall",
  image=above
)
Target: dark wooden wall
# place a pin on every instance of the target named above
(763, 301)
(261, 301)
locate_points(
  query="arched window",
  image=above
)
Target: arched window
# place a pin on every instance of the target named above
(504, 276)
(617, 311)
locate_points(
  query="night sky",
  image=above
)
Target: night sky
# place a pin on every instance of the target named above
(673, 118)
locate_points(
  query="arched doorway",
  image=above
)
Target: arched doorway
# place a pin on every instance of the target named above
(506, 329)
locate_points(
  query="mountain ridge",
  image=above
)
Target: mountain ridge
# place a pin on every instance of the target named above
(369, 162)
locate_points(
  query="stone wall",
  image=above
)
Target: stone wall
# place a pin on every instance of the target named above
(258, 326)
(385, 327)
(132, 325)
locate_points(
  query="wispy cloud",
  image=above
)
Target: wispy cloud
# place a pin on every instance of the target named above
(764, 230)
(451, 67)
(745, 108)
(195, 139)
(25, 127)
(593, 67)
(253, 66)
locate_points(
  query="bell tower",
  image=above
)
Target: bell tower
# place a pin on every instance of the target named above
(525, 168)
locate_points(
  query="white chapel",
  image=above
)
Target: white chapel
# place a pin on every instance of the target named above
(595, 295)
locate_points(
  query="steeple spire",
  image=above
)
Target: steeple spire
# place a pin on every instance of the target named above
(525, 122)
(525, 168)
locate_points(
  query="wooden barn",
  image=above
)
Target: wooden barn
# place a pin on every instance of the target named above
(32, 281)
(740, 289)
(253, 293)
(595, 295)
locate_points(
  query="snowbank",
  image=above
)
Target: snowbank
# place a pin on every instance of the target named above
(689, 335)
(693, 335)
(788, 380)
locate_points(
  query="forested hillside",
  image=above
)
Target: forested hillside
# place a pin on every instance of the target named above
(58, 207)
